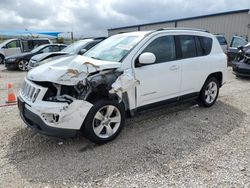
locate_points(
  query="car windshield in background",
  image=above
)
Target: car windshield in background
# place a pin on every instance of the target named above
(75, 47)
(114, 48)
(38, 48)
(221, 40)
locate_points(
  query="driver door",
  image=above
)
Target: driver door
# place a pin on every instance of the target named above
(161, 80)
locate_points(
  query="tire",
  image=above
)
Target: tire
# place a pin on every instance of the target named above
(98, 126)
(1, 59)
(23, 65)
(209, 92)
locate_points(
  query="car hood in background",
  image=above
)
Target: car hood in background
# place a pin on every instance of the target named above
(41, 57)
(69, 70)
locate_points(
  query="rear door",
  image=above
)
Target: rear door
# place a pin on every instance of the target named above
(194, 61)
(161, 80)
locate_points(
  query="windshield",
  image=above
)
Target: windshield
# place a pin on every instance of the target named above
(75, 47)
(38, 48)
(114, 48)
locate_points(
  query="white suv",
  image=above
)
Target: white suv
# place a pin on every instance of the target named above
(119, 77)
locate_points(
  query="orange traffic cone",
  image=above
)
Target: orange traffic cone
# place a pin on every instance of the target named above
(11, 95)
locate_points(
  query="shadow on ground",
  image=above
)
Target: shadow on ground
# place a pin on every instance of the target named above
(148, 141)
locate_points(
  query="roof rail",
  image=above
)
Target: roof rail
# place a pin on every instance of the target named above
(182, 28)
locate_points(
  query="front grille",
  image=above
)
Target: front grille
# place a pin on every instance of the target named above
(29, 91)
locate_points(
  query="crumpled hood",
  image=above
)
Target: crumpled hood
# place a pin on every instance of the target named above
(69, 70)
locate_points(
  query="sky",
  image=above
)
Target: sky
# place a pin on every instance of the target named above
(92, 18)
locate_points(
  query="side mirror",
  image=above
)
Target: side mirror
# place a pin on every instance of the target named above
(82, 51)
(240, 47)
(147, 58)
(4, 47)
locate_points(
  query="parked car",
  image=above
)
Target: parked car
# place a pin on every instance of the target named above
(241, 64)
(123, 75)
(17, 46)
(20, 61)
(223, 42)
(79, 47)
(233, 49)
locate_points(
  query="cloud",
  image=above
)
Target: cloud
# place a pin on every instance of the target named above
(93, 18)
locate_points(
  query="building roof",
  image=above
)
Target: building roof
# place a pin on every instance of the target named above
(182, 19)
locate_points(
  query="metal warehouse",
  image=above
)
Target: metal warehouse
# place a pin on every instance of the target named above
(226, 23)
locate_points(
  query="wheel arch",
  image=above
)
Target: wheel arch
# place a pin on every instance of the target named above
(217, 75)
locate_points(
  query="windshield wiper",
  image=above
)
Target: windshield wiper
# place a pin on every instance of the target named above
(96, 58)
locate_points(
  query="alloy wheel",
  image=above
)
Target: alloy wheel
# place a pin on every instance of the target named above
(211, 92)
(106, 121)
(23, 65)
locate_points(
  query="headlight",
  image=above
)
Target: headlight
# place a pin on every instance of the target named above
(10, 60)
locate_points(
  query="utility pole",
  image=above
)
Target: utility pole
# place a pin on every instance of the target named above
(72, 36)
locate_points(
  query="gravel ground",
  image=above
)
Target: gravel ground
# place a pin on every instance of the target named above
(181, 146)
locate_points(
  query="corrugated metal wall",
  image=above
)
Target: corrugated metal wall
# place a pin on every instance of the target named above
(157, 26)
(117, 31)
(228, 24)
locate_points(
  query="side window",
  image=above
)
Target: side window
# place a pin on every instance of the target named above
(62, 47)
(13, 44)
(46, 49)
(55, 48)
(188, 47)
(206, 45)
(163, 48)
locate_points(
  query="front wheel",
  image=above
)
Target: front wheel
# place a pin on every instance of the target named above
(209, 92)
(104, 121)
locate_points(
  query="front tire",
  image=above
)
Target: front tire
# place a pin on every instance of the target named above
(209, 92)
(104, 121)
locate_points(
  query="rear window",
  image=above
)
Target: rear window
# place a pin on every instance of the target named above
(206, 45)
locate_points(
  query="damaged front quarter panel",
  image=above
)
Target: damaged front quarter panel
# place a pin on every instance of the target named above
(124, 82)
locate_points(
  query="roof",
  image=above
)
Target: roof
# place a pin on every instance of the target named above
(182, 19)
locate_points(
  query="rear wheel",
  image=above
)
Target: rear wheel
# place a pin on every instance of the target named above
(104, 121)
(209, 92)
(1, 59)
(23, 65)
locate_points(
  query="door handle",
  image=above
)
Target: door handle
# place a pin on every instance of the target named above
(174, 67)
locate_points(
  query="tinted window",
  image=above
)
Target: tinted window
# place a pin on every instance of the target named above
(206, 45)
(188, 47)
(55, 48)
(163, 48)
(199, 50)
(62, 47)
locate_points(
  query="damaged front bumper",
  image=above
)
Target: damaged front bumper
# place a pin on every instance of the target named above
(51, 118)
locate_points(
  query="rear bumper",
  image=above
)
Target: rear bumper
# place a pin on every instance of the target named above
(34, 122)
